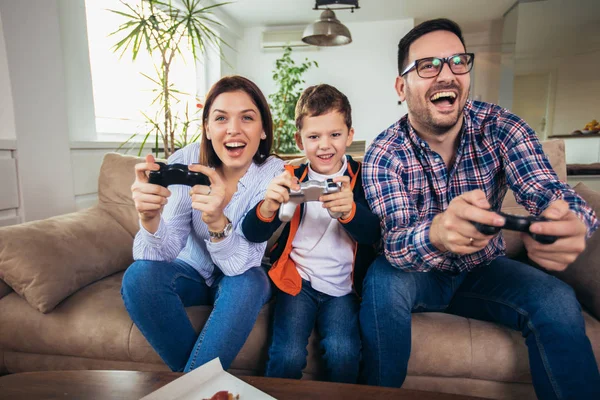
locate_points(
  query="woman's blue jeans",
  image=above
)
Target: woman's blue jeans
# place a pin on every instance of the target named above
(336, 321)
(156, 294)
(543, 308)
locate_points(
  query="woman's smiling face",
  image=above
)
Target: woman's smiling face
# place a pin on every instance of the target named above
(235, 129)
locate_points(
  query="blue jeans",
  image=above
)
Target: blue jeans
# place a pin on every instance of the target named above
(507, 292)
(336, 321)
(156, 294)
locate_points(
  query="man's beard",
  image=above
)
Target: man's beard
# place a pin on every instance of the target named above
(439, 128)
(425, 115)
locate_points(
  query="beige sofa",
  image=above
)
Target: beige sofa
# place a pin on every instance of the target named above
(61, 309)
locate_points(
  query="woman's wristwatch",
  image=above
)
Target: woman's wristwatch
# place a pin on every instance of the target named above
(222, 234)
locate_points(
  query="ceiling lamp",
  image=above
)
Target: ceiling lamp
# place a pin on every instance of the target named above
(328, 30)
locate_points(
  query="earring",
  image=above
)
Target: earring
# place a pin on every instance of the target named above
(263, 136)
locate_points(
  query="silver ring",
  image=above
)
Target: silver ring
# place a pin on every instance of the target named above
(209, 190)
(471, 240)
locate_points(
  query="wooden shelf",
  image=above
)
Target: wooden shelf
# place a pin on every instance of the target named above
(577, 135)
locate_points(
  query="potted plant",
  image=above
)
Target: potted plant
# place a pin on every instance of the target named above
(288, 77)
(160, 28)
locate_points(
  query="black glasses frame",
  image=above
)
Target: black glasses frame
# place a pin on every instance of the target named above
(444, 60)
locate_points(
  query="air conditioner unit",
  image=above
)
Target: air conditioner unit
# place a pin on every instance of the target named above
(280, 38)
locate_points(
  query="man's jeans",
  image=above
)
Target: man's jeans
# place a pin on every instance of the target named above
(337, 325)
(508, 292)
(156, 294)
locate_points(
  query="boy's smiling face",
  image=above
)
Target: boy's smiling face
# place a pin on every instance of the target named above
(324, 139)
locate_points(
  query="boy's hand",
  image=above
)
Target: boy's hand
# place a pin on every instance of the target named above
(278, 192)
(341, 201)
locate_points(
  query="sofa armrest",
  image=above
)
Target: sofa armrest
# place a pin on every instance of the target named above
(584, 274)
(45, 261)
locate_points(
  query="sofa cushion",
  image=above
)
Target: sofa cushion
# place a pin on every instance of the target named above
(584, 274)
(46, 261)
(93, 323)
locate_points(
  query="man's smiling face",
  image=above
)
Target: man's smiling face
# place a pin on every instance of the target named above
(434, 104)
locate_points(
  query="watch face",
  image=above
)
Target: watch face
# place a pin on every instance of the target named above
(227, 230)
(224, 233)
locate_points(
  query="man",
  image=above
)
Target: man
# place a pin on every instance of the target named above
(444, 165)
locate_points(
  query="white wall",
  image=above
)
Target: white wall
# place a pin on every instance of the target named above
(37, 82)
(577, 92)
(509, 37)
(7, 113)
(563, 38)
(486, 44)
(79, 94)
(575, 88)
(364, 70)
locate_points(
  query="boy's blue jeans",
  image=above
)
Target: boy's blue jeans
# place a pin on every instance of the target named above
(336, 321)
(156, 294)
(508, 292)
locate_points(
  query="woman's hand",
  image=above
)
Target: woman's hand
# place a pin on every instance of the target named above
(211, 200)
(342, 201)
(278, 192)
(149, 199)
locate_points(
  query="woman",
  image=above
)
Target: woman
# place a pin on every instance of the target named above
(188, 250)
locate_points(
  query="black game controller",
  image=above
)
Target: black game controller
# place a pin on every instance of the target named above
(177, 174)
(517, 223)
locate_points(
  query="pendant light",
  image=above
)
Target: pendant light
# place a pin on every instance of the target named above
(328, 30)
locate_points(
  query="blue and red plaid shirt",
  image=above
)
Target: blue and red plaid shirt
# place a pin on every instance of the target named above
(407, 184)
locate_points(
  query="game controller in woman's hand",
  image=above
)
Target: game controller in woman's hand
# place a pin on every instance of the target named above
(517, 223)
(177, 174)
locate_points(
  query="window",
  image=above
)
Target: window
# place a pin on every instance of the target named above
(121, 92)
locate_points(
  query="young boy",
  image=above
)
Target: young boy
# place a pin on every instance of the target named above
(318, 262)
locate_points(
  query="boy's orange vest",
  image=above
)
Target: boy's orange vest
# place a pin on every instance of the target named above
(283, 272)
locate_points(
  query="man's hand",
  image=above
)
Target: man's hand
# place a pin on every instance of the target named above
(571, 232)
(453, 230)
(341, 201)
(278, 192)
(149, 199)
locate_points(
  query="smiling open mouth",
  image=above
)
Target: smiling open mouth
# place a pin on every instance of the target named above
(325, 156)
(235, 145)
(443, 98)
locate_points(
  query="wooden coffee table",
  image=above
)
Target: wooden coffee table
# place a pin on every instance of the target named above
(126, 385)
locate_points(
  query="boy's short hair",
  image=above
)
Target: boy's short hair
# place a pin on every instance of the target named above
(321, 99)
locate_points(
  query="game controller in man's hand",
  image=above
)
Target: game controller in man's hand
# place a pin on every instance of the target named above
(309, 191)
(517, 223)
(177, 174)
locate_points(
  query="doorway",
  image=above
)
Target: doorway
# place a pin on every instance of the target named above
(533, 101)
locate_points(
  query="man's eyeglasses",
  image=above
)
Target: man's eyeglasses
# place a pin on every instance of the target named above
(431, 67)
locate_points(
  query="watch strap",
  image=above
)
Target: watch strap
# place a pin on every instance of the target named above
(221, 234)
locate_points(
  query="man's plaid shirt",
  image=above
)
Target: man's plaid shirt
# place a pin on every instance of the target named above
(407, 184)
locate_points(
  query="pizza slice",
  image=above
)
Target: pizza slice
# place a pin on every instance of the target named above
(224, 395)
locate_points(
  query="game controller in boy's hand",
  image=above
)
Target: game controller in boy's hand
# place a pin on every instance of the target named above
(309, 191)
(177, 174)
(517, 223)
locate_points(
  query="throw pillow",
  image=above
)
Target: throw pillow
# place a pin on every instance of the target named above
(46, 261)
